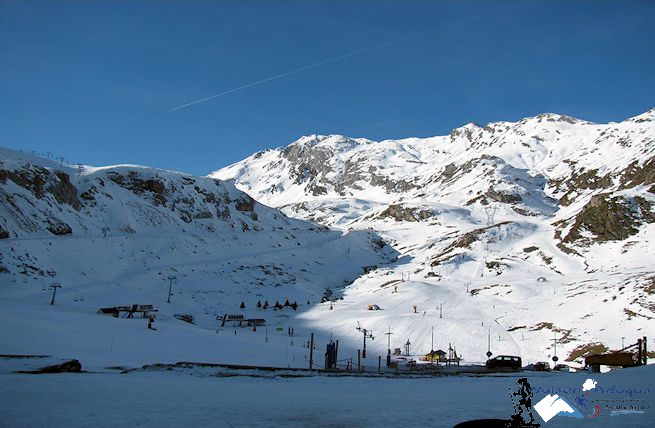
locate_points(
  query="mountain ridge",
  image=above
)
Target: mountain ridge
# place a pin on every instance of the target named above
(548, 196)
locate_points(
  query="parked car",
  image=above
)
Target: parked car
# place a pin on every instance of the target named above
(505, 362)
(562, 367)
(541, 366)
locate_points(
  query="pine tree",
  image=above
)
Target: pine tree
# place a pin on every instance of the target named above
(266, 304)
(243, 305)
(259, 304)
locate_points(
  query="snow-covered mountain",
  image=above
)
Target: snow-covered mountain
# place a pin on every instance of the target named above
(520, 230)
(114, 235)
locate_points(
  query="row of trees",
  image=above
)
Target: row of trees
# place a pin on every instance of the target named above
(276, 307)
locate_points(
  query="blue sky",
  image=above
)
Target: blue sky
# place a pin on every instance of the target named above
(96, 81)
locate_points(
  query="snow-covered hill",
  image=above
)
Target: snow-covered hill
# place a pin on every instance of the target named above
(114, 235)
(522, 231)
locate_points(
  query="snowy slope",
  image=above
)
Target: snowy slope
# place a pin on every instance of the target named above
(112, 236)
(548, 222)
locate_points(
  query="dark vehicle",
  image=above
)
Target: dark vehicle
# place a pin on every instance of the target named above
(504, 362)
(562, 367)
(541, 366)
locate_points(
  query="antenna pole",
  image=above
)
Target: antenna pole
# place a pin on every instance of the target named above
(170, 286)
(432, 347)
(388, 334)
(366, 333)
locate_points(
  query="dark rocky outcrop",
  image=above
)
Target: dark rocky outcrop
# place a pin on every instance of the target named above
(58, 227)
(203, 214)
(465, 241)
(400, 213)
(481, 198)
(30, 178)
(610, 218)
(636, 174)
(308, 162)
(580, 180)
(89, 194)
(63, 190)
(317, 190)
(245, 203)
(139, 186)
(72, 366)
(504, 197)
(41, 181)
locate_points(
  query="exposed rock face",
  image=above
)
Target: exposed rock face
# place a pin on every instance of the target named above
(139, 186)
(464, 241)
(36, 198)
(537, 165)
(583, 179)
(155, 222)
(636, 174)
(611, 218)
(245, 203)
(63, 191)
(42, 182)
(504, 197)
(645, 209)
(400, 213)
(58, 227)
(309, 162)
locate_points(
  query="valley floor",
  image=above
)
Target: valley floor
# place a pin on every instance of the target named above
(166, 399)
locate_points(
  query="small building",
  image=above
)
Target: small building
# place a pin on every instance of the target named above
(146, 311)
(437, 355)
(619, 359)
(253, 322)
(241, 321)
(184, 317)
(231, 318)
(108, 311)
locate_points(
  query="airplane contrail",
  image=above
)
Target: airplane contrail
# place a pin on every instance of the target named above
(298, 70)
